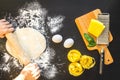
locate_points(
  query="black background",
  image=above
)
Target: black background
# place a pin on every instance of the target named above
(72, 9)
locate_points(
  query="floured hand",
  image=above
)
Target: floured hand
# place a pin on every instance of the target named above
(29, 72)
(5, 27)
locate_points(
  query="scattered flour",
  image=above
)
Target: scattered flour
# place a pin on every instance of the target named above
(6, 64)
(34, 16)
(55, 23)
(48, 70)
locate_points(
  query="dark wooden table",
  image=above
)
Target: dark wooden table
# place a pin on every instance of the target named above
(71, 9)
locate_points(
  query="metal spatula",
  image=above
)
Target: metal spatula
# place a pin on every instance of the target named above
(103, 39)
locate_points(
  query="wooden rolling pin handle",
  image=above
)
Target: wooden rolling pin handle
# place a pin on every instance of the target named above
(20, 53)
(107, 57)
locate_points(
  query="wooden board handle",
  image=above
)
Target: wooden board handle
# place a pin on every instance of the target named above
(107, 57)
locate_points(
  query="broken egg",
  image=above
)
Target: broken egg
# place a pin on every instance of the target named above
(57, 38)
(68, 43)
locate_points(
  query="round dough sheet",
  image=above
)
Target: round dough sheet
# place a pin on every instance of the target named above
(32, 42)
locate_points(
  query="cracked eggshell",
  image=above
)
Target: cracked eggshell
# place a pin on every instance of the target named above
(68, 43)
(57, 38)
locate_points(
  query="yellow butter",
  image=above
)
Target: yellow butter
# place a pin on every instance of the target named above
(96, 27)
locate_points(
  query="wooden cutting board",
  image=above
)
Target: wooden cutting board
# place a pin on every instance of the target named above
(82, 23)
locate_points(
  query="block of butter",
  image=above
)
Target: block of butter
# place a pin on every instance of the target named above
(95, 27)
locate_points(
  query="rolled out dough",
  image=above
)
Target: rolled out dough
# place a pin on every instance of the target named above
(32, 42)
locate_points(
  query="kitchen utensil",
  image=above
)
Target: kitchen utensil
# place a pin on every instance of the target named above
(82, 23)
(103, 39)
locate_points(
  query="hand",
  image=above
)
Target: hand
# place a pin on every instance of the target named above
(5, 27)
(29, 72)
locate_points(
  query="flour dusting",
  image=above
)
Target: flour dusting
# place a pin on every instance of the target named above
(34, 16)
(55, 23)
(48, 70)
(6, 63)
(44, 60)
